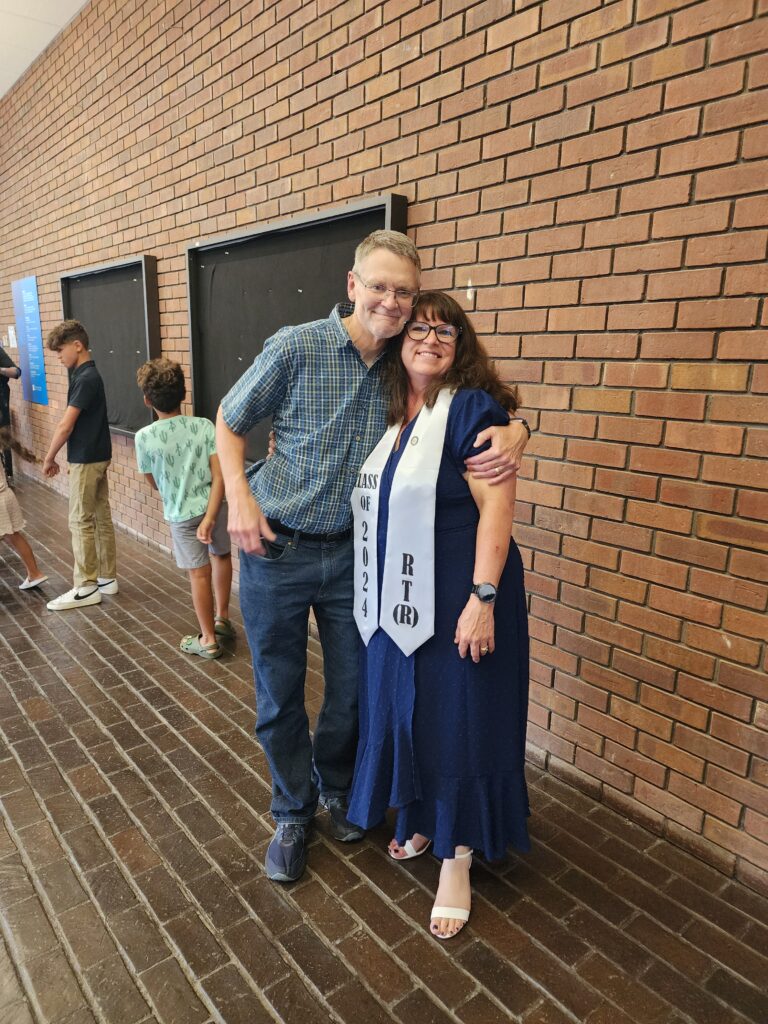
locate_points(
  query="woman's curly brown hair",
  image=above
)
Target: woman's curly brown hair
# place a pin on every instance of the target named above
(472, 367)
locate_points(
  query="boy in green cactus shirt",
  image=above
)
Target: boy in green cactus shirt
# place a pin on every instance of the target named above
(177, 455)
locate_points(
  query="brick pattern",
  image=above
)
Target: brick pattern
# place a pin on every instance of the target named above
(134, 819)
(589, 178)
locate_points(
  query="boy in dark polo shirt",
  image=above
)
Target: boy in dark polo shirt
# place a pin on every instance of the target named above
(85, 429)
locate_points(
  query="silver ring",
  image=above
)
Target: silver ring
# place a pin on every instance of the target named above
(497, 470)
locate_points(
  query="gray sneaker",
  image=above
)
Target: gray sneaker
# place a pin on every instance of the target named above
(341, 828)
(286, 854)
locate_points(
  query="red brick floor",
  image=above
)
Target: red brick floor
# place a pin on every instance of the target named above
(134, 823)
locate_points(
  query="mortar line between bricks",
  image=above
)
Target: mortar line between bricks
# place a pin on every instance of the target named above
(141, 624)
(550, 844)
(167, 807)
(709, 994)
(5, 953)
(29, 997)
(174, 702)
(369, 882)
(64, 944)
(394, 905)
(123, 713)
(362, 925)
(108, 735)
(720, 964)
(637, 911)
(83, 880)
(683, 934)
(190, 976)
(218, 870)
(194, 979)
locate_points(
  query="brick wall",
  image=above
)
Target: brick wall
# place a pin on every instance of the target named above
(589, 178)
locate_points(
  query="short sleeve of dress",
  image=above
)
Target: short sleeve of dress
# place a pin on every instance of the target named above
(471, 411)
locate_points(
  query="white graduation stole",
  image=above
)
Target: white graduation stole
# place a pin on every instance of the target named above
(407, 611)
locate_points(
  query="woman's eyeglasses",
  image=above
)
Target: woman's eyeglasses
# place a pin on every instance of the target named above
(446, 334)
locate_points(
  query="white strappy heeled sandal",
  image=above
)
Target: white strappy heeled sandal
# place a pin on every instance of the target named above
(451, 913)
(410, 850)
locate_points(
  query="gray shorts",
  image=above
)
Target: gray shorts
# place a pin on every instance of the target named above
(190, 553)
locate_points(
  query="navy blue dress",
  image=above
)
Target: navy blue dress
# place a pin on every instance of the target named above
(442, 739)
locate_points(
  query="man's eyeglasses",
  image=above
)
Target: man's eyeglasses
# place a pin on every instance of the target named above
(403, 296)
(446, 334)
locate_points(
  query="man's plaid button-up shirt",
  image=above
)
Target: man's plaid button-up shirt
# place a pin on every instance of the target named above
(329, 411)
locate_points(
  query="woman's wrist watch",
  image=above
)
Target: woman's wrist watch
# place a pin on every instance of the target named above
(520, 419)
(485, 592)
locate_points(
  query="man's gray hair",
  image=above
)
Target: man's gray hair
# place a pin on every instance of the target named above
(394, 241)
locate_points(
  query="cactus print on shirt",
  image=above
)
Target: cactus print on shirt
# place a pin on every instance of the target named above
(177, 453)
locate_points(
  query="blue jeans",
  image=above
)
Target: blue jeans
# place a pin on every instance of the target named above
(276, 593)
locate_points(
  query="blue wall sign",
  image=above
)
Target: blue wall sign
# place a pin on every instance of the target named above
(30, 339)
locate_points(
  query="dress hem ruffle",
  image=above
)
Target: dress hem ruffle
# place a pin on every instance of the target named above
(470, 812)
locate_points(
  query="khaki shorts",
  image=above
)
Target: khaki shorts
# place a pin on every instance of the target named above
(189, 552)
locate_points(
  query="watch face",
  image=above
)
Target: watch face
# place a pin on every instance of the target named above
(486, 592)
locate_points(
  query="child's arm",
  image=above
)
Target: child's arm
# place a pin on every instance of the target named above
(215, 499)
(142, 459)
(60, 435)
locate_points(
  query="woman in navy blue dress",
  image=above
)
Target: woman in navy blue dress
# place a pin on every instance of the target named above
(442, 730)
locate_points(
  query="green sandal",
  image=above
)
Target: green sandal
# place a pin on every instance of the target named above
(191, 645)
(224, 627)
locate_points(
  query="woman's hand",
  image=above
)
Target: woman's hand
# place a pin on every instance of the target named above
(474, 630)
(503, 458)
(272, 445)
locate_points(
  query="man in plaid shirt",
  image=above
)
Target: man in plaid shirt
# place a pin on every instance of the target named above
(292, 519)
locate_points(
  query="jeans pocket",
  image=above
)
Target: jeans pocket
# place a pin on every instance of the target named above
(274, 551)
